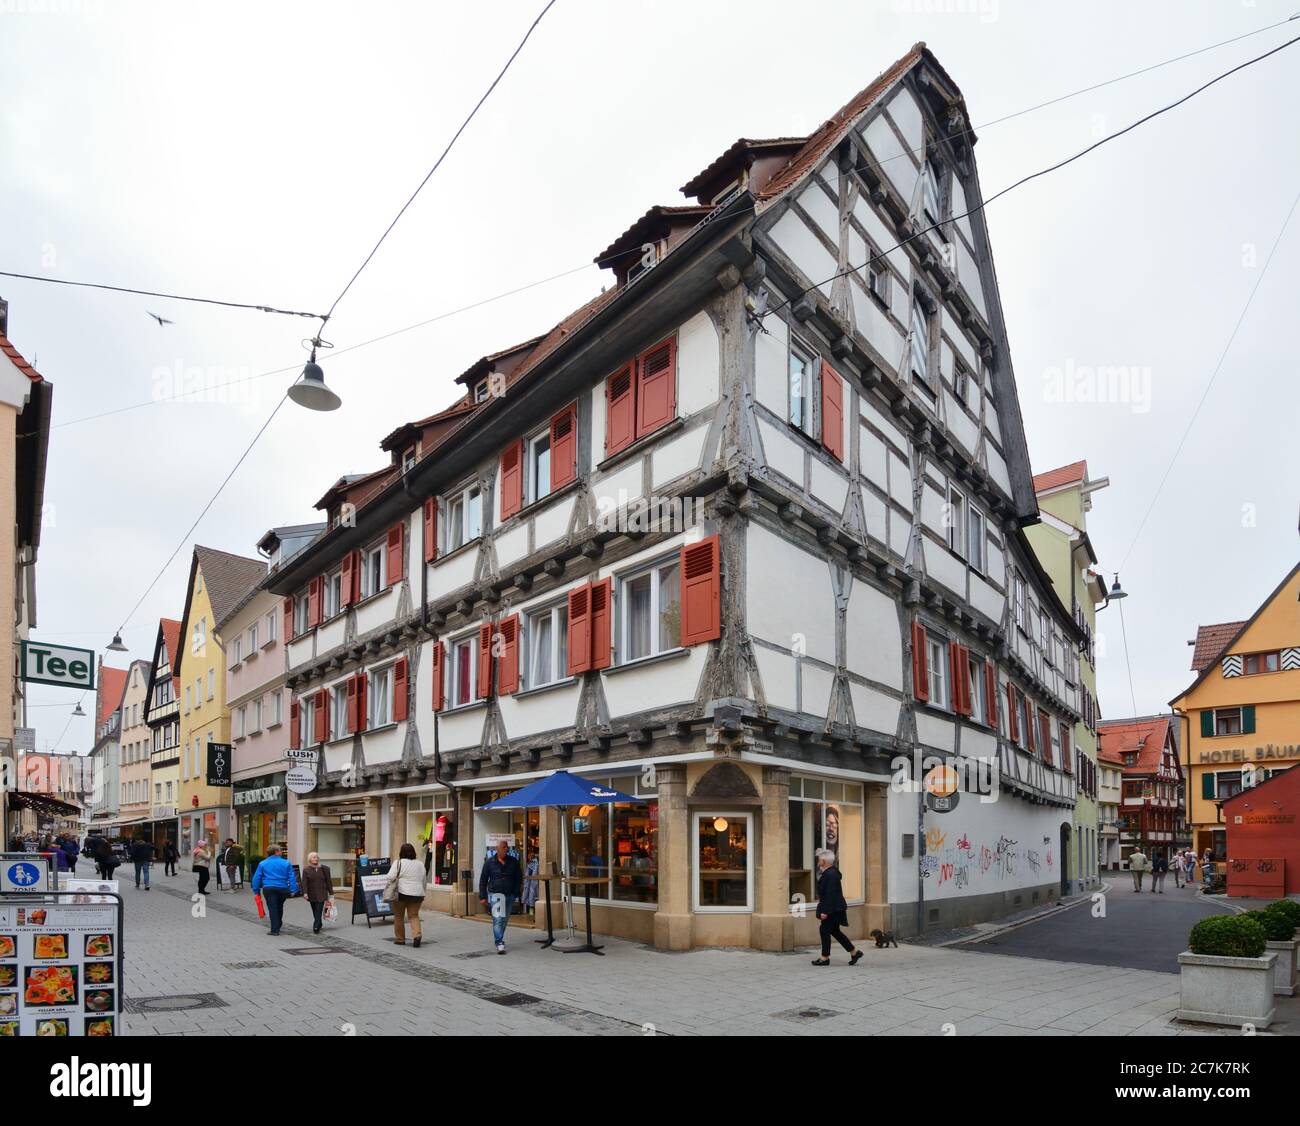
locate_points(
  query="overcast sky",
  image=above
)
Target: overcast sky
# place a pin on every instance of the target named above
(254, 152)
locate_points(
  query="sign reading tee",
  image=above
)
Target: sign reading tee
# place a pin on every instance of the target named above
(59, 665)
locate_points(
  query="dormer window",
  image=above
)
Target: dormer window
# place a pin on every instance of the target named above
(408, 460)
(480, 390)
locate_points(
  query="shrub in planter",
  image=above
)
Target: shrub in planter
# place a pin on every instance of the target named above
(1277, 927)
(1288, 909)
(1228, 936)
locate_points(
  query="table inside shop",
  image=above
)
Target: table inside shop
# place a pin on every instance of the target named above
(587, 947)
(716, 877)
(546, 878)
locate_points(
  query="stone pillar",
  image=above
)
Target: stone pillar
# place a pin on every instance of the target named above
(374, 825)
(772, 927)
(464, 809)
(877, 807)
(550, 824)
(396, 804)
(673, 922)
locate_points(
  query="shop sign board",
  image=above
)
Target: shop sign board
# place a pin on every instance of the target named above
(368, 891)
(219, 762)
(301, 779)
(64, 666)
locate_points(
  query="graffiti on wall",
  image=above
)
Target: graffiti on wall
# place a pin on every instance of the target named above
(968, 863)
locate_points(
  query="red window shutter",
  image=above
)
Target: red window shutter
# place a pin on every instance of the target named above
(431, 529)
(580, 629)
(484, 660)
(313, 602)
(439, 677)
(363, 710)
(348, 578)
(395, 555)
(991, 692)
(1067, 757)
(960, 678)
(1045, 735)
(920, 663)
(832, 412)
(602, 601)
(322, 716)
(620, 413)
(295, 725)
(1031, 738)
(508, 661)
(564, 446)
(353, 725)
(656, 391)
(287, 614)
(401, 689)
(1013, 720)
(701, 584)
(512, 479)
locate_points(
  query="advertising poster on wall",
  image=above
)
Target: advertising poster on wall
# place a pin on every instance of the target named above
(60, 969)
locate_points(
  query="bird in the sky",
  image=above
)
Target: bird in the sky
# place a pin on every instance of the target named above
(161, 320)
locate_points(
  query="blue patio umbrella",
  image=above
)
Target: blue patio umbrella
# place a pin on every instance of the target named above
(561, 789)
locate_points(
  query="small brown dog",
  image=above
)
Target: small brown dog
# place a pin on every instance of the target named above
(884, 939)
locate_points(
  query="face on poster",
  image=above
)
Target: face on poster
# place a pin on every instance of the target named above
(59, 969)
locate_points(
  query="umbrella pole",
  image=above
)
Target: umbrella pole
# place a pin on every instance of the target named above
(564, 868)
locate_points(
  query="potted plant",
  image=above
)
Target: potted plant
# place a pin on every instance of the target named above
(1226, 974)
(1280, 936)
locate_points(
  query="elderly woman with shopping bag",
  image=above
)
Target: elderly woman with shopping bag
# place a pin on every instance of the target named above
(318, 887)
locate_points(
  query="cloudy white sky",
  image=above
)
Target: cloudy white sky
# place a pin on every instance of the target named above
(254, 152)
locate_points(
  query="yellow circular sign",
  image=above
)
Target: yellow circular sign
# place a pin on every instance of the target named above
(941, 781)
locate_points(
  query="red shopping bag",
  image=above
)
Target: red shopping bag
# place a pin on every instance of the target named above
(261, 907)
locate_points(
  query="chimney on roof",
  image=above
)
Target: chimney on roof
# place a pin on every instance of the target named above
(4, 317)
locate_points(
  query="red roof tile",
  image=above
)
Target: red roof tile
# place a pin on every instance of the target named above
(112, 683)
(1211, 641)
(21, 364)
(1066, 475)
(171, 630)
(1146, 736)
(745, 146)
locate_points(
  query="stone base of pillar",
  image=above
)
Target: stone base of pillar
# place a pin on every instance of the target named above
(772, 932)
(672, 932)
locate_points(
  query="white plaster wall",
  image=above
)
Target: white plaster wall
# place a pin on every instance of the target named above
(374, 612)
(874, 512)
(944, 567)
(802, 247)
(906, 113)
(934, 731)
(773, 613)
(828, 486)
(460, 729)
(546, 711)
(384, 746)
(874, 710)
(301, 649)
(821, 206)
(932, 502)
(330, 634)
(451, 572)
(998, 468)
(896, 163)
(783, 453)
(771, 351)
(655, 685)
(997, 567)
(614, 490)
(677, 457)
(511, 545)
(871, 458)
(338, 755)
(961, 426)
(815, 692)
(877, 418)
(977, 742)
(873, 324)
(777, 671)
(552, 522)
(900, 531)
(874, 646)
(697, 365)
(986, 599)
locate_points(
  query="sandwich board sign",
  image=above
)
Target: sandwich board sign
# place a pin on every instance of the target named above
(61, 665)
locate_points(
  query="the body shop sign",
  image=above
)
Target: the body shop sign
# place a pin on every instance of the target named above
(60, 665)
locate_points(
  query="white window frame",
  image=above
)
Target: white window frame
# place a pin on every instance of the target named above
(931, 187)
(461, 525)
(921, 328)
(623, 593)
(936, 661)
(332, 595)
(533, 485)
(252, 639)
(257, 716)
(408, 459)
(1020, 602)
(379, 704)
(237, 645)
(339, 711)
(307, 720)
(976, 537)
(373, 563)
(805, 421)
(300, 614)
(271, 627)
(749, 863)
(558, 612)
(978, 689)
(241, 721)
(212, 683)
(956, 529)
(471, 696)
(277, 708)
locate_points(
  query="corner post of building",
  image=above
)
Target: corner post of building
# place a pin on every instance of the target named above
(773, 923)
(465, 860)
(877, 810)
(396, 804)
(374, 826)
(673, 922)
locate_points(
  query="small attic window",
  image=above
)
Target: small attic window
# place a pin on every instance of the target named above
(334, 518)
(729, 192)
(480, 390)
(408, 459)
(648, 258)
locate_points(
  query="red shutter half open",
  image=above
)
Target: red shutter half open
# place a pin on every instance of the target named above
(832, 411)
(508, 661)
(620, 414)
(363, 700)
(353, 701)
(484, 660)
(349, 576)
(322, 715)
(512, 479)
(401, 688)
(1031, 737)
(1067, 752)
(960, 678)
(991, 692)
(295, 725)
(431, 529)
(395, 555)
(287, 614)
(602, 600)
(656, 390)
(701, 584)
(920, 664)
(313, 602)
(564, 447)
(439, 677)
(580, 629)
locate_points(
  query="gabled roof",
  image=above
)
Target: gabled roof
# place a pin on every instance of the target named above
(18, 361)
(112, 685)
(742, 150)
(352, 487)
(1076, 472)
(227, 578)
(1145, 734)
(403, 434)
(660, 221)
(171, 635)
(1211, 641)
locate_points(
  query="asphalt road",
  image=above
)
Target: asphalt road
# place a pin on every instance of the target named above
(1142, 932)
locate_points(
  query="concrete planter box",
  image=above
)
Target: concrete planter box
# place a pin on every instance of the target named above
(1284, 969)
(1218, 990)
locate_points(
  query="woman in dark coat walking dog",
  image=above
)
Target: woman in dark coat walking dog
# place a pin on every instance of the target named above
(832, 909)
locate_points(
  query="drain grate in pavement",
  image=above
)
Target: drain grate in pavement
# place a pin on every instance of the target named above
(250, 965)
(176, 1004)
(474, 954)
(317, 950)
(802, 1016)
(512, 1000)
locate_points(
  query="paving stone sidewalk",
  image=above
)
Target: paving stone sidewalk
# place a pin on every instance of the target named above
(358, 982)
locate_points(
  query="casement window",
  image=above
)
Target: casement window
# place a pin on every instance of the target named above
(975, 538)
(339, 718)
(187, 698)
(955, 518)
(237, 650)
(299, 620)
(1228, 721)
(464, 521)
(650, 611)
(200, 635)
(333, 594)
(931, 176)
(1049, 746)
(1255, 663)
(463, 671)
(373, 569)
(538, 466)
(257, 716)
(1025, 721)
(271, 620)
(252, 638)
(480, 390)
(1021, 610)
(277, 709)
(302, 714)
(803, 366)
(641, 396)
(937, 667)
(1062, 746)
(408, 459)
(354, 703)
(379, 698)
(920, 346)
(877, 275)
(961, 383)
(545, 646)
(976, 688)
(550, 459)
(241, 721)
(212, 683)
(991, 693)
(1044, 634)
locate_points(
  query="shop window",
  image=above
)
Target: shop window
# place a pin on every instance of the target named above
(463, 671)
(650, 611)
(724, 875)
(379, 698)
(546, 636)
(618, 842)
(825, 814)
(430, 826)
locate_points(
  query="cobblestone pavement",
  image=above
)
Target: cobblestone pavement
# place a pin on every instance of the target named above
(357, 982)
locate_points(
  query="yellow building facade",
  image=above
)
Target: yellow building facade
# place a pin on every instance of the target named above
(1241, 716)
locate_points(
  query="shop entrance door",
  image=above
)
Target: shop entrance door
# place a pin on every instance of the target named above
(521, 826)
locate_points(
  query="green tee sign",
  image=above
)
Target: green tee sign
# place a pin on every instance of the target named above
(60, 665)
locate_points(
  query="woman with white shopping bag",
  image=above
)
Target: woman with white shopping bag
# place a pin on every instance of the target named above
(319, 890)
(405, 891)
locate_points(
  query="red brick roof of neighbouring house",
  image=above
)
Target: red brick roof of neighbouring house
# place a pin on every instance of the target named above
(1066, 475)
(171, 631)
(21, 364)
(112, 683)
(1145, 735)
(1211, 641)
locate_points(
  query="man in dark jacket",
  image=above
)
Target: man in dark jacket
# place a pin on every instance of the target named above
(143, 854)
(832, 909)
(500, 882)
(70, 850)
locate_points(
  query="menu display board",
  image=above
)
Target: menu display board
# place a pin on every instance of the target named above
(368, 892)
(60, 968)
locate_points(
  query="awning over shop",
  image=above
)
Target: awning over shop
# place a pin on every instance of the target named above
(41, 803)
